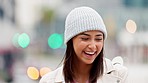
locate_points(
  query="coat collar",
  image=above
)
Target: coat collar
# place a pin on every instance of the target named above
(59, 75)
(108, 67)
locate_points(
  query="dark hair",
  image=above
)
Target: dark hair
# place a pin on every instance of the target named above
(68, 70)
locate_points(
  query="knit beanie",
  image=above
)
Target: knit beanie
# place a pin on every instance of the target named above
(83, 19)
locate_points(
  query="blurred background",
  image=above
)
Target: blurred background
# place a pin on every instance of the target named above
(31, 36)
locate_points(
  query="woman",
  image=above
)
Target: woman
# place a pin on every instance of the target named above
(84, 60)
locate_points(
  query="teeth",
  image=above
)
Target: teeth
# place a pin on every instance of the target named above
(90, 52)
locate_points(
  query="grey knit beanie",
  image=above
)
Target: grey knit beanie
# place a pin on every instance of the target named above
(82, 19)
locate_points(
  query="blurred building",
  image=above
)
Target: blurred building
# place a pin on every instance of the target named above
(7, 22)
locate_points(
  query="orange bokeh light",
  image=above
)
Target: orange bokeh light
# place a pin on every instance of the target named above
(33, 73)
(44, 70)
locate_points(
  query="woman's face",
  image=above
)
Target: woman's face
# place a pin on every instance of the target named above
(88, 45)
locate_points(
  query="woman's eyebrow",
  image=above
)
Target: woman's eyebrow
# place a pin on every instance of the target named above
(84, 34)
(99, 35)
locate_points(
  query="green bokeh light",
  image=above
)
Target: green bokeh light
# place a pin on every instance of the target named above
(15, 39)
(55, 41)
(23, 40)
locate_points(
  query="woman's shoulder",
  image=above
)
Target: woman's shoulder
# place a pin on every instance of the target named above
(51, 76)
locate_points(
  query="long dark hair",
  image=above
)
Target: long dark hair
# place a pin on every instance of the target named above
(68, 70)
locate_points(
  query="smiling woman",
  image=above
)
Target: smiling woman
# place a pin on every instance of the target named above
(87, 46)
(84, 60)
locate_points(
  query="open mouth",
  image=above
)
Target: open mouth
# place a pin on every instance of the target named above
(90, 53)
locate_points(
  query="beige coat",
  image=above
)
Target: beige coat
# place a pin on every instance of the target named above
(114, 73)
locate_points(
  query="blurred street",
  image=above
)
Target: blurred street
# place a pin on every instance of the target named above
(138, 73)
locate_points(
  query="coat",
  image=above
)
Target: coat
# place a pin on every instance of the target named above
(114, 73)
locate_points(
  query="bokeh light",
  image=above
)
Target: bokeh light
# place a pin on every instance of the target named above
(23, 40)
(44, 71)
(55, 41)
(33, 73)
(131, 26)
(15, 39)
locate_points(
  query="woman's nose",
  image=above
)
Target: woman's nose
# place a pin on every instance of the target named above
(92, 45)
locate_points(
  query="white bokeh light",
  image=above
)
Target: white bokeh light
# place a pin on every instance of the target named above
(131, 26)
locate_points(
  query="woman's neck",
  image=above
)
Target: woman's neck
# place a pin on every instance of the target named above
(81, 72)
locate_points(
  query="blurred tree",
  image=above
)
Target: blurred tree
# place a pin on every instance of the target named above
(44, 28)
(47, 15)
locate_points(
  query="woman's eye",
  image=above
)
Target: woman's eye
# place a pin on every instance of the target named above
(84, 38)
(98, 39)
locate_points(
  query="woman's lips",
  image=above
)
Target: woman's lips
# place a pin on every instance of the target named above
(89, 55)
